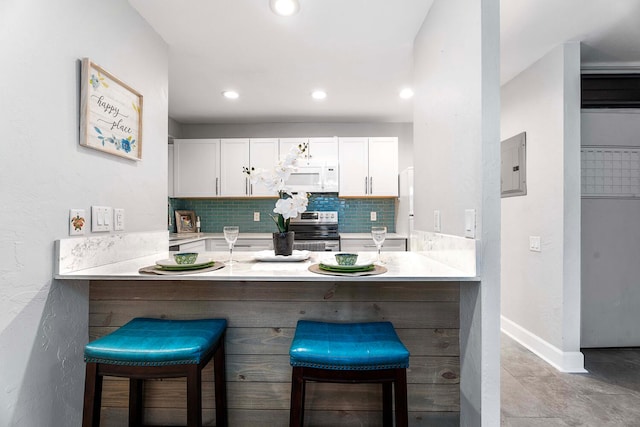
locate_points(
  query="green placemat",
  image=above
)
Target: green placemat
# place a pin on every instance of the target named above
(377, 269)
(155, 269)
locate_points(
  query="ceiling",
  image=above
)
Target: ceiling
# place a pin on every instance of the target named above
(359, 51)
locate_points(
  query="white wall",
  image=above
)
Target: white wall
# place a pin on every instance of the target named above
(610, 244)
(44, 173)
(456, 152)
(404, 132)
(541, 290)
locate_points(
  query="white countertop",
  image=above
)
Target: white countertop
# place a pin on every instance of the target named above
(402, 266)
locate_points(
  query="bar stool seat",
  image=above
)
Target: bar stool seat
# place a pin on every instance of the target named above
(369, 352)
(148, 348)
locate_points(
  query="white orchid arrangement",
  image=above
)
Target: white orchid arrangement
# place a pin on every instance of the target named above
(289, 205)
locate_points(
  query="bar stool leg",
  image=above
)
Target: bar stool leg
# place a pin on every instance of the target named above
(400, 385)
(220, 385)
(136, 407)
(296, 411)
(92, 396)
(194, 397)
(387, 404)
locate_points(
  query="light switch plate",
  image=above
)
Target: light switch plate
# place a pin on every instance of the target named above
(436, 221)
(374, 216)
(256, 216)
(534, 243)
(118, 219)
(470, 223)
(77, 222)
(101, 218)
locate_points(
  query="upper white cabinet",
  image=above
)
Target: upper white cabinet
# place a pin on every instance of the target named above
(196, 167)
(263, 154)
(369, 167)
(239, 153)
(214, 167)
(170, 175)
(318, 150)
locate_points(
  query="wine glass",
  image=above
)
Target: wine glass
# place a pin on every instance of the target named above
(231, 235)
(378, 234)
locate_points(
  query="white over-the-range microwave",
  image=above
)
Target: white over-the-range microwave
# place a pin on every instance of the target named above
(314, 178)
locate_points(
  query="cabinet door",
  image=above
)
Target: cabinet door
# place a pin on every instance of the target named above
(253, 245)
(242, 245)
(199, 246)
(323, 150)
(354, 170)
(287, 143)
(383, 167)
(196, 164)
(367, 245)
(234, 155)
(263, 155)
(170, 171)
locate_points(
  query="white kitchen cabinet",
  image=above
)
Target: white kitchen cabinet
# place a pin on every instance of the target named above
(234, 155)
(239, 153)
(263, 154)
(318, 150)
(170, 174)
(197, 246)
(286, 144)
(369, 167)
(362, 245)
(242, 245)
(196, 167)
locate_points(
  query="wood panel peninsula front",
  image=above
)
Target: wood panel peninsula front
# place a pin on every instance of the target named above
(262, 302)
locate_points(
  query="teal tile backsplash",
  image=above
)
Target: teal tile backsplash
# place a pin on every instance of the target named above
(353, 214)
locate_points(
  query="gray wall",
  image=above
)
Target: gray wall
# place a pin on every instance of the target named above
(541, 290)
(610, 244)
(44, 172)
(404, 132)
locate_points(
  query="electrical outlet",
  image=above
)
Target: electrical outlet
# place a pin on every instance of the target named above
(256, 216)
(534, 243)
(374, 216)
(101, 218)
(77, 222)
(436, 221)
(118, 219)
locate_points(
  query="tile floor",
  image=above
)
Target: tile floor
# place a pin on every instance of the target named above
(536, 395)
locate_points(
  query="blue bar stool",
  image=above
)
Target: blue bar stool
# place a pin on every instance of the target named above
(157, 348)
(350, 353)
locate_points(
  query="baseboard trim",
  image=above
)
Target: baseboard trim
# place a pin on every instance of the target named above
(563, 361)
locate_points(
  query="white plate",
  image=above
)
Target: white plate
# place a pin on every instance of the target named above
(201, 260)
(271, 256)
(361, 262)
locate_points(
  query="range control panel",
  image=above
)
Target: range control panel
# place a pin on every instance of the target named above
(324, 217)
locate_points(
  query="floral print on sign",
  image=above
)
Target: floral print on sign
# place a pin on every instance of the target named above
(97, 81)
(124, 144)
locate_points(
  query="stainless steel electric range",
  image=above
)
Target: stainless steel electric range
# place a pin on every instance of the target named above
(316, 231)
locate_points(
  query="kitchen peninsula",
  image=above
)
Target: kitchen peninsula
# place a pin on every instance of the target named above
(262, 302)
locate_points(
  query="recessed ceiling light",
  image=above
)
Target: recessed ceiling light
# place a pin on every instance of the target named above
(406, 93)
(284, 7)
(230, 94)
(318, 94)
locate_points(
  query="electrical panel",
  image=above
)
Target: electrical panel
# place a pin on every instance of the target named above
(513, 174)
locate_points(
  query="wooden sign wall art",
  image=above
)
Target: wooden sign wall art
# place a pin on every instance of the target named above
(110, 113)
